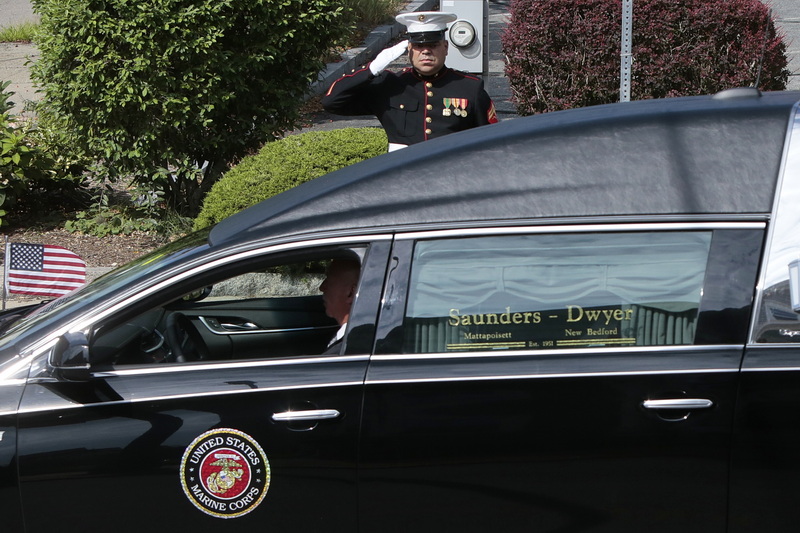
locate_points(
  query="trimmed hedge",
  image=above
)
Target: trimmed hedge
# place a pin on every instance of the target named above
(566, 53)
(284, 164)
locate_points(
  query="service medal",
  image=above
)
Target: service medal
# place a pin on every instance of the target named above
(462, 104)
(458, 103)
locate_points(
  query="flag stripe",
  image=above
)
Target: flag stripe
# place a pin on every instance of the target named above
(63, 262)
(44, 284)
(39, 280)
(76, 271)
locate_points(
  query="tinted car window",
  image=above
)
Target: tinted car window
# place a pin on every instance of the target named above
(271, 310)
(555, 291)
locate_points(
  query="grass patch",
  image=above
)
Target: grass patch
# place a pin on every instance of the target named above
(19, 33)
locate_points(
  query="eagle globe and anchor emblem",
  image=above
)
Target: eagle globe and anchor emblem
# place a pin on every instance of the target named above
(220, 481)
(225, 473)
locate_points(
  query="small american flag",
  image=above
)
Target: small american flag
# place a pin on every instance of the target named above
(42, 270)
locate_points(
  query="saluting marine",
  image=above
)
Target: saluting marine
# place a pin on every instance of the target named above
(422, 102)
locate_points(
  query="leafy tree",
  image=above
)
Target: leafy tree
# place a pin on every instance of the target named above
(170, 92)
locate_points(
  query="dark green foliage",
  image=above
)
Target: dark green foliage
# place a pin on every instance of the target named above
(169, 92)
(566, 53)
(26, 168)
(284, 164)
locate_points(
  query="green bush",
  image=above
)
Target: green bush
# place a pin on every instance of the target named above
(170, 92)
(284, 164)
(566, 53)
(24, 166)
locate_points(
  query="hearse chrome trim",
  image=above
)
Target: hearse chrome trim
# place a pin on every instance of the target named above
(771, 369)
(581, 228)
(168, 368)
(508, 377)
(204, 394)
(559, 352)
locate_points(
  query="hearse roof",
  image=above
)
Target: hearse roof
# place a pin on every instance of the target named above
(682, 156)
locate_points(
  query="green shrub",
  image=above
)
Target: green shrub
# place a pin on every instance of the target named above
(169, 92)
(566, 53)
(125, 220)
(23, 165)
(284, 164)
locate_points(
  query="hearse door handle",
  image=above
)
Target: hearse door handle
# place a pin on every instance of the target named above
(311, 415)
(681, 404)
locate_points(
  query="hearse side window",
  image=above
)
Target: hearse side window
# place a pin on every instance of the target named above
(262, 310)
(559, 291)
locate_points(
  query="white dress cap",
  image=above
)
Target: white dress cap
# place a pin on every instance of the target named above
(426, 21)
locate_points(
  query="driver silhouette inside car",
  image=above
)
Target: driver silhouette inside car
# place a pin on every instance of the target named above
(338, 292)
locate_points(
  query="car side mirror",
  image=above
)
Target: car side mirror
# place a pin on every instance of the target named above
(70, 357)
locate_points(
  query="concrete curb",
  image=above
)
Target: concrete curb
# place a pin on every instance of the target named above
(373, 44)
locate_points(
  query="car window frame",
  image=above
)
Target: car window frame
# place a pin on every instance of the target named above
(148, 293)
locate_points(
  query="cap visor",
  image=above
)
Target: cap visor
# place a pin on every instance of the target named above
(426, 37)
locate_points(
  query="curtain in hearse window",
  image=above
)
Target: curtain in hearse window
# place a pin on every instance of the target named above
(555, 291)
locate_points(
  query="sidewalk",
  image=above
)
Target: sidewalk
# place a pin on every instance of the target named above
(14, 68)
(787, 19)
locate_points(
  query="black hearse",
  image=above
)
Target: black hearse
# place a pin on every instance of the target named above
(582, 321)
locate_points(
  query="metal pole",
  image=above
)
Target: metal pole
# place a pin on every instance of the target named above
(5, 270)
(626, 57)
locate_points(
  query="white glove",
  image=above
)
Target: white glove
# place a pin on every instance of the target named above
(387, 56)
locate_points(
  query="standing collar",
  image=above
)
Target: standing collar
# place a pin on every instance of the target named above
(439, 74)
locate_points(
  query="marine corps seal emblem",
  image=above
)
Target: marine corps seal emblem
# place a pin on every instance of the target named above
(225, 473)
